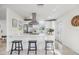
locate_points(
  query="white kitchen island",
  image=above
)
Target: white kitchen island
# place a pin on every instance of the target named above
(25, 38)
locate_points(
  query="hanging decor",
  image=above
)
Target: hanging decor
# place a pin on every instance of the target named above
(14, 22)
(75, 21)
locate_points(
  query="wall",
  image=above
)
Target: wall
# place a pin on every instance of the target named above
(2, 13)
(3, 21)
(12, 31)
(3, 27)
(68, 34)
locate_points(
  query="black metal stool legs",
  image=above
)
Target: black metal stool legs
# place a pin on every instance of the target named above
(11, 49)
(18, 49)
(21, 46)
(35, 49)
(46, 45)
(15, 46)
(32, 48)
(18, 46)
(28, 48)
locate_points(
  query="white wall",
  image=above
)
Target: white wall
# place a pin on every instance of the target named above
(12, 31)
(68, 34)
(2, 13)
(3, 26)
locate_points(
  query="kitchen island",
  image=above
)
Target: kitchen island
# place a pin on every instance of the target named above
(26, 37)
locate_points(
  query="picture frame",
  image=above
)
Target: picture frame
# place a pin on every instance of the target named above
(14, 22)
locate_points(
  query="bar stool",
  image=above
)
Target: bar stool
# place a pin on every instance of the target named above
(16, 46)
(32, 46)
(47, 46)
(4, 37)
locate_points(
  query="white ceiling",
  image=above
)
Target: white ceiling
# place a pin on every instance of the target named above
(44, 12)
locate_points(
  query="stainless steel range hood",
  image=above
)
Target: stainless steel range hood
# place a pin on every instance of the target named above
(34, 21)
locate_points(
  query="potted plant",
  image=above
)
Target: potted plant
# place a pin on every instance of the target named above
(50, 31)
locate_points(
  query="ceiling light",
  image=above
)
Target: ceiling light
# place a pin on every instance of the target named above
(40, 4)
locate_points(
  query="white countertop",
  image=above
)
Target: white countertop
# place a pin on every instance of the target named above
(29, 35)
(32, 37)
